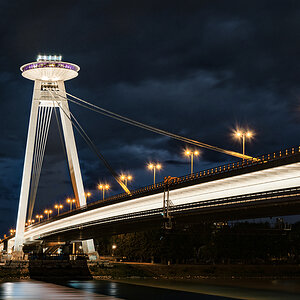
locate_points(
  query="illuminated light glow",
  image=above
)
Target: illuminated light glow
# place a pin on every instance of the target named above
(123, 177)
(114, 247)
(107, 186)
(49, 58)
(249, 134)
(187, 152)
(196, 153)
(129, 177)
(158, 166)
(150, 166)
(100, 186)
(238, 134)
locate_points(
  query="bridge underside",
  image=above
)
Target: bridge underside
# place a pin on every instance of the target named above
(267, 204)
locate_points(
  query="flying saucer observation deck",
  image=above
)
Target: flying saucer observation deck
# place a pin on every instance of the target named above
(50, 70)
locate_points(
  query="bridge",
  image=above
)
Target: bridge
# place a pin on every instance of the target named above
(263, 186)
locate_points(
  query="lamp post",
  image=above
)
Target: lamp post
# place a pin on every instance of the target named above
(154, 167)
(191, 154)
(58, 207)
(39, 217)
(103, 187)
(48, 212)
(71, 201)
(30, 222)
(126, 178)
(243, 135)
(88, 194)
(113, 247)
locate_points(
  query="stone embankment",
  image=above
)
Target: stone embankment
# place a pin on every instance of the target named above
(83, 270)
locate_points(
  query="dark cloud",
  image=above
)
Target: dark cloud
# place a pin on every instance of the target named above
(196, 68)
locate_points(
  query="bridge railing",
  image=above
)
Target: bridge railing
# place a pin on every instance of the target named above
(266, 158)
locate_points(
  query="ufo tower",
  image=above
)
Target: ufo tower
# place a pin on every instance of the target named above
(49, 74)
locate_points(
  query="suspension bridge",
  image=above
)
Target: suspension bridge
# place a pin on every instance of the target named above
(261, 186)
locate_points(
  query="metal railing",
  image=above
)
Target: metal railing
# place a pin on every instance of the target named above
(267, 158)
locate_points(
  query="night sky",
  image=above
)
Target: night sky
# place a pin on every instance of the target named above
(196, 68)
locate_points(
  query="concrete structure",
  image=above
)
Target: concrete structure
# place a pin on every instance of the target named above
(48, 73)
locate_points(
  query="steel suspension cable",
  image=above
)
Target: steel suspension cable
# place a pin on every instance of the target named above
(121, 118)
(90, 143)
(37, 148)
(43, 135)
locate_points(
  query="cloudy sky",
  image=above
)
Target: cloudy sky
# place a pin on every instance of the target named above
(195, 68)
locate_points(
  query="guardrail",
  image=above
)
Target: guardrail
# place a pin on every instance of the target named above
(210, 172)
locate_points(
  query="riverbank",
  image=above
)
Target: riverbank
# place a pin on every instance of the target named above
(146, 270)
(83, 270)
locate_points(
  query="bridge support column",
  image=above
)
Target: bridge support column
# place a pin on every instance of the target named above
(26, 178)
(89, 249)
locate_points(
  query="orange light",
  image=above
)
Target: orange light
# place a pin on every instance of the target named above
(158, 166)
(107, 186)
(187, 152)
(249, 134)
(150, 166)
(196, 153)
(100, 186)
(238, 134)
(68, 200)
(129, 177)
(123, 177)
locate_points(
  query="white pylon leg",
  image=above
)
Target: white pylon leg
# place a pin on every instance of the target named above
(75, 173)
(27, 169)
(71, 149)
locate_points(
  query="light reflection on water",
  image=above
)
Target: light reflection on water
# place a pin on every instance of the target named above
(149, 289)
(37, 290)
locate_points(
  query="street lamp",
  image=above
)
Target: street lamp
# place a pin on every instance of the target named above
(113, 247)
(39, 217)
(126, 178)
(243, 135)
(191, 154)
(12, 231)
(103, 187)
(154, 167)
(30, 222)
(71, 201)
(48, 212)
(58, 207)
(88, 194)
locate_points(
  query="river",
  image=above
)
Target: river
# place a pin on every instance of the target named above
(149, 289)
